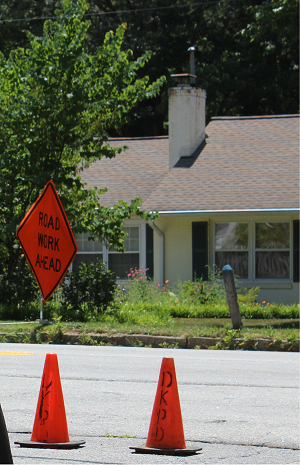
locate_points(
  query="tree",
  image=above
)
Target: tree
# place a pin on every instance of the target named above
(274, 39)
(17, 18)
(167, 28)
(250, 58)
(247, 52)
(57, 102)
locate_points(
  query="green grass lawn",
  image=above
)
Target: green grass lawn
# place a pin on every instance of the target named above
(283, 329)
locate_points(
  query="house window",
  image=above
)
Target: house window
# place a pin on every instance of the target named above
(120, 263)
(256, 250)
(88, 251)
(232, 247)
(272, 250)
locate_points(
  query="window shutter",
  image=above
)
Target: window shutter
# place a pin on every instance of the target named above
(149, 251)
(200, 249)
(296, 250)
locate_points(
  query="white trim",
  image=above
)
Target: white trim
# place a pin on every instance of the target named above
(273, 285)
(143, 245)
(217, 212)
(142, 238)
(159, 253)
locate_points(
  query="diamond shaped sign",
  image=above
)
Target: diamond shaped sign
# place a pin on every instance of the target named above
(47, 240)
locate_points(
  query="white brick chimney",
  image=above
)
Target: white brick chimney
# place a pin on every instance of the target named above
(186, 119)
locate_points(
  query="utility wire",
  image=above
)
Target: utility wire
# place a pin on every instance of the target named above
(136, 10)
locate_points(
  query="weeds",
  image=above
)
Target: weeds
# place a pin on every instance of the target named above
(189, 299)
(229, 341)
(167, 345)
(136, 343)
(51, 334)
(85, 340)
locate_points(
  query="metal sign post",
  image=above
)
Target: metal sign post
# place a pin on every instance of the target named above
(42, 310)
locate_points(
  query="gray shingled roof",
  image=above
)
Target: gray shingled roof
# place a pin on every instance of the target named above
(244, 163)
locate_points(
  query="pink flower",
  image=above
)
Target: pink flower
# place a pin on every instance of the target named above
(157, 285)
(129, 274)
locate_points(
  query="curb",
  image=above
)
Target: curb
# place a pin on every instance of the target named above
(168, 342)
(142, 340)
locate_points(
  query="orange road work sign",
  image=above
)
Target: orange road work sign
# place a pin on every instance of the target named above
(47, 240)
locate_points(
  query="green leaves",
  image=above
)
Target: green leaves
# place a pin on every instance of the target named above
(58, 102)
(87, 292)
(250, 57)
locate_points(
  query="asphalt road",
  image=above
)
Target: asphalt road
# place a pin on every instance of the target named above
(240, 407)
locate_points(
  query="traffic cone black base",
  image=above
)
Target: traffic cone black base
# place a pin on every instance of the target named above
(5, 452)
(51, 445)
(153, 450)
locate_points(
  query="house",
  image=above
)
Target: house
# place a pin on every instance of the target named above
(227, 193)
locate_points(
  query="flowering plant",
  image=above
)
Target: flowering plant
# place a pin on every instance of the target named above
(138, 282)
(138, 274)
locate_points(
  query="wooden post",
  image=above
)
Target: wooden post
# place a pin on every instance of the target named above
(235, 315)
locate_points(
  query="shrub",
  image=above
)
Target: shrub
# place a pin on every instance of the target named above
(270, 311)
(194, 299)
(86, 292)
(20, 289)
(198, 292)
(142, 289)
(248, 296)
(211, 310)
(20, 312)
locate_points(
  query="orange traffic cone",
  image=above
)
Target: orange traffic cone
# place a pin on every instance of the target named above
(50, 429)
(166, 435)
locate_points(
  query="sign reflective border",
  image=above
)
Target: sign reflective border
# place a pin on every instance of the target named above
(47, 240)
